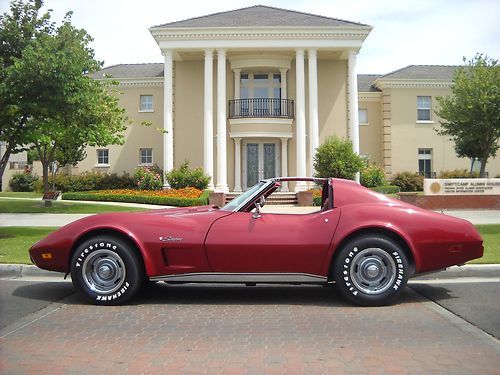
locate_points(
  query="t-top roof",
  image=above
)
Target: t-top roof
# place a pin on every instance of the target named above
(260, 16)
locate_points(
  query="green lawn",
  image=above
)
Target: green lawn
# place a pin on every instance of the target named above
(15, 242)
(59, 207)
(15, 194)
(491, 237)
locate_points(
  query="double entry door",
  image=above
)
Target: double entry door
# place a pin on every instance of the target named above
(260, 162)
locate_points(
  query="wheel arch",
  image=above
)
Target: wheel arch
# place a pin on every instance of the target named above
(385, 232)
(112, 232)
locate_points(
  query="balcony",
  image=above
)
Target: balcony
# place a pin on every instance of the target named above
(261, 108)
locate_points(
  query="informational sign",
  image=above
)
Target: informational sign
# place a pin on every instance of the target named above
(462, 186)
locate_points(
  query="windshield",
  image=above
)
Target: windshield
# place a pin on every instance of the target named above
(236, 202)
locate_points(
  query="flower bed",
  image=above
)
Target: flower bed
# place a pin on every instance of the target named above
(170, 197)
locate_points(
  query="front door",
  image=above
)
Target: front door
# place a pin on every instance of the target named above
(260, 162)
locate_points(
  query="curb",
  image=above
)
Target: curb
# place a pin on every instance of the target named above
(26, 270)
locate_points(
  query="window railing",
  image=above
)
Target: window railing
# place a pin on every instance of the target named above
(261, 107)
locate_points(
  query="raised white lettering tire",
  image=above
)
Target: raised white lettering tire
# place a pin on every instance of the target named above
(371, 270)
(106, 271)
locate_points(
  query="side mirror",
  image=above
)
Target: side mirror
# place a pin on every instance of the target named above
(258, 206)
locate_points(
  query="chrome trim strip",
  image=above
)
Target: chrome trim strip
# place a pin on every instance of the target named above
(225, 277)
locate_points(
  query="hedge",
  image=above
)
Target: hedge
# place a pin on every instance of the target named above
(166, 201)
(386, 189)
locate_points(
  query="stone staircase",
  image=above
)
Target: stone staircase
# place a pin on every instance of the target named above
(278, 198)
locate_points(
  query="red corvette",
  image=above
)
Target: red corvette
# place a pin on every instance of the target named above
(366, 243)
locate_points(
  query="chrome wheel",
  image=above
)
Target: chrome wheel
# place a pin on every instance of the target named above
(373, 271)
(103, 271)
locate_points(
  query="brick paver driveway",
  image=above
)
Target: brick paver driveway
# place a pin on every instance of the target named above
(247, 330)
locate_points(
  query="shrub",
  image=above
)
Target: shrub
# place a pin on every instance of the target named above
(386, 189)
(408, 181)
(23, 182)
(335, 158)
(372, 175)
(183, 177)
(90, 181)
(148, 178)
(458, 173)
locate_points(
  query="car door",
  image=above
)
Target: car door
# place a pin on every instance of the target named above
(291, 243)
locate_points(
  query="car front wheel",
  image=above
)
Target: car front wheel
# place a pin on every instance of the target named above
(371, 270)
(106, 270)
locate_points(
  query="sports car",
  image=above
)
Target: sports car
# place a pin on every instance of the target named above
(365, 243)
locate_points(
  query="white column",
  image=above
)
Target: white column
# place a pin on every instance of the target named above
(283, 83)
(353, 105)
(221, 123)
(237, 80)
(237, 164)
(284, 162)
(208, 134)
(168, 135)
(313, 108)
(300, 120)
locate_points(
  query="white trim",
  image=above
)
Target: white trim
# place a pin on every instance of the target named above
(260, 134)
(260, 61)
(364, 123)
(146, 111)
(102, 166)
(143, 81)
(382, 83)
(369, 96)
(424, 122)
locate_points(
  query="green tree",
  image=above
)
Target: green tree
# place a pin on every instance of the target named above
(18, 30)
(62, 105)
(471, 116)
(335, 158)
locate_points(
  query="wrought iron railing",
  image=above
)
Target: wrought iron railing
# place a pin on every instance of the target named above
(261, 107)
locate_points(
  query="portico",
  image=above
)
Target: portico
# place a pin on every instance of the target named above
(266, 118)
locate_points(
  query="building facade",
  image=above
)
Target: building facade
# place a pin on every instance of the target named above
(250, 94)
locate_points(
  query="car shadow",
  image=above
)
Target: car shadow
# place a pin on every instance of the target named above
(209, 294)
(432, 292)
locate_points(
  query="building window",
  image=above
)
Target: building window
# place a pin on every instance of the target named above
(363, 116)
(423, 108)
(146, 156)
(103, 157)
(146, 103)
(425, 162)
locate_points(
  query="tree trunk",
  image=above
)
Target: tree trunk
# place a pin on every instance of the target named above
(4, 161)
(45, 176)
(482, 171)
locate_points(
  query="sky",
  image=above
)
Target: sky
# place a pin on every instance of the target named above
(424, 32)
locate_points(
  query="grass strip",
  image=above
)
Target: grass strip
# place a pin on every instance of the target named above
(18, 206)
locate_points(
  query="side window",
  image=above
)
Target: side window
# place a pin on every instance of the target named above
(363, 116)
(146, 103)
(103, 157)
(423, 108)
(425, 162)
(146, 156)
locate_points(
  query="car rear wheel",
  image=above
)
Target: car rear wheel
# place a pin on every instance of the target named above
(371, 270)
(106, 270)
